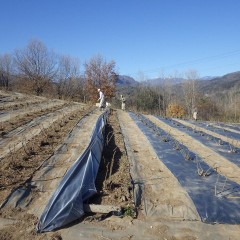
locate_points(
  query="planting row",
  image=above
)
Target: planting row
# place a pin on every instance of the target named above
(214, 195)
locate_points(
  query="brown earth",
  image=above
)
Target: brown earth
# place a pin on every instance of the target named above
(165, 210)
(19, 164)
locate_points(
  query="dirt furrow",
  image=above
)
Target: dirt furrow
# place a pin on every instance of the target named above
(165, 210)
(8, 116)
(162, 197)
(18, 166)
(17, 138)
(21, 103)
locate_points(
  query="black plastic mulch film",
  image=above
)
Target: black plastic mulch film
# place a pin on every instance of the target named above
(77, 185)
(226, 149)
(216, 198)
(220, 129)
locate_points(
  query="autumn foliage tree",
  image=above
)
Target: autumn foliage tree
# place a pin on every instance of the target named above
(175, 110)
(100, 74)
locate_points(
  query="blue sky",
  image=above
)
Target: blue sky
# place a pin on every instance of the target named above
(149, 38)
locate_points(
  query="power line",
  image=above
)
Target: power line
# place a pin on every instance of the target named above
(199, 60)
(232, 64)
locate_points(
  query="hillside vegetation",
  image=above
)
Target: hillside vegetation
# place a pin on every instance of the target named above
(58, 76)
(216, 99)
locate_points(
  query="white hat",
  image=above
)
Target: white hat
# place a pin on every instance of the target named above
(99, 90)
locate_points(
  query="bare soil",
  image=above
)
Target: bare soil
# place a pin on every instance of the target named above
(113, 180)
(21, 164)
(165, 211)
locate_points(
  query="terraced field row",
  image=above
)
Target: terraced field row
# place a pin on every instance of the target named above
(182, 177)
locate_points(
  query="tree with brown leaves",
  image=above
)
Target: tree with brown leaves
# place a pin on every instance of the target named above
(175, 110)
(100, 74)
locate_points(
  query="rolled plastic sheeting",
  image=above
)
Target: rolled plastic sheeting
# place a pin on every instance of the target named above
(78, 184)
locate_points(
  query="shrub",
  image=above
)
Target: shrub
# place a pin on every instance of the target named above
(175, 110)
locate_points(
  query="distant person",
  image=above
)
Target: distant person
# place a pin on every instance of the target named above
(195, 115)
(101, 99)
(123, 102)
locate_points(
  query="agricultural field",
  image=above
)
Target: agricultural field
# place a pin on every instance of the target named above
(175, 178)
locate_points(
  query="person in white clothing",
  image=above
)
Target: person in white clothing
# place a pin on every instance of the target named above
(101, 98)
(123, 102)
(195, 115)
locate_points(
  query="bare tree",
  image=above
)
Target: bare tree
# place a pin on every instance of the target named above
(100, 74)
(68, 73)
(6, 70)
(37, 65)
(141, 76)
(80, 89)
(207, 108)
(233, 103)
(190, 91)
(146, 98)
(167, 92)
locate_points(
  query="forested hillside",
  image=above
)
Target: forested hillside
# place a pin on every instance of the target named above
(221, 84)
(215, 99)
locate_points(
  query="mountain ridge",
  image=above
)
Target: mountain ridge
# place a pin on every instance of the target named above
(206, 84)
